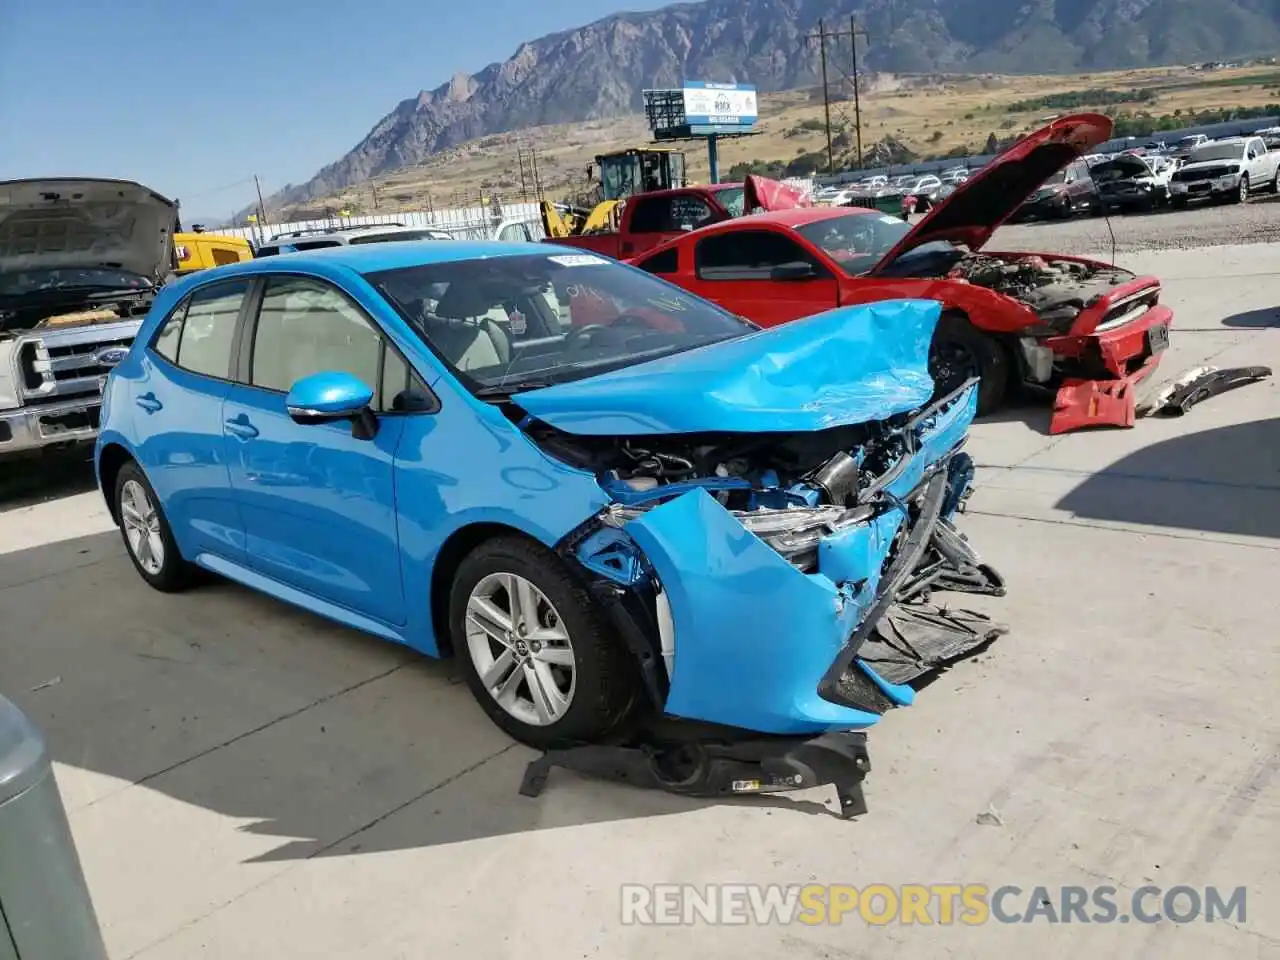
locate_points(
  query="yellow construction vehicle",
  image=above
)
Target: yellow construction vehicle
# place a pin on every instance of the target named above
(614, 177)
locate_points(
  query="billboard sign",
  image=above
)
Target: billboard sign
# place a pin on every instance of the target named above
(720, 104)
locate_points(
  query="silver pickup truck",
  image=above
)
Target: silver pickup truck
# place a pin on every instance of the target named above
(80, 262)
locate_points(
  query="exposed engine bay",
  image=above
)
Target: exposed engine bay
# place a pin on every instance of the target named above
(866, 509)
(1057, 290)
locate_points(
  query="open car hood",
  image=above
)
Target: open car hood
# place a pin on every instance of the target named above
(79, 222)
(769, 195)
(849, 365)
(988, 198)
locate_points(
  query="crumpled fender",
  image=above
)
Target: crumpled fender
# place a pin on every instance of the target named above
(753, 635)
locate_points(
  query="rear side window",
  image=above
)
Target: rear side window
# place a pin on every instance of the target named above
(666, 262)
(746, 255)
(199, 335)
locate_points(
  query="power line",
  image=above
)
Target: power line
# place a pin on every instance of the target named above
(822, 36)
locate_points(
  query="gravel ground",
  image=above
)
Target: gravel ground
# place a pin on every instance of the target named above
(1200, 226)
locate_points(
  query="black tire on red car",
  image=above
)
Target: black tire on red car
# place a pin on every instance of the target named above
(961, 351)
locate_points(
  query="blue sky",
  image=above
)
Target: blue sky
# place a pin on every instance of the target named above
(192, 99)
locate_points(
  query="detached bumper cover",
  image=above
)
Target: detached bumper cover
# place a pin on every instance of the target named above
(1114, 346)
(762, 646)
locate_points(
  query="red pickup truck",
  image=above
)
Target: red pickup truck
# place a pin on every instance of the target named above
(649, 219)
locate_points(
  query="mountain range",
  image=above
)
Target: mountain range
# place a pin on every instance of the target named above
(599, 70)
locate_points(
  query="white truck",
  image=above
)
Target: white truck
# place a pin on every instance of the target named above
(1226, 170)
(80, 262)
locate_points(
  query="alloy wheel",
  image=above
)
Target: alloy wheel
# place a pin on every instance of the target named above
(141, 522)
(521, 650)
(1244, 189)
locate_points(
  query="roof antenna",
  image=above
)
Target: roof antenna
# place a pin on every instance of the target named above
(1105, 214)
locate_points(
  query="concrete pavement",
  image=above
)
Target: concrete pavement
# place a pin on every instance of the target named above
(246, 780)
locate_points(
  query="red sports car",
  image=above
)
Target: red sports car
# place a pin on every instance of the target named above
(1087, 328)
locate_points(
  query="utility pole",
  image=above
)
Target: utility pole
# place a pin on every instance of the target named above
(826, 97)
(856, 31)
(262, 208)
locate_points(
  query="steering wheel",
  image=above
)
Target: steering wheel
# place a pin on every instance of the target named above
(631, 320)
(580, 337)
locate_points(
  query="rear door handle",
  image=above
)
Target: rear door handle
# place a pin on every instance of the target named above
(242, 428)
(149, 403)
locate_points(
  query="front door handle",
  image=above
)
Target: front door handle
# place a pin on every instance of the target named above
(148, 402)
(241, 427)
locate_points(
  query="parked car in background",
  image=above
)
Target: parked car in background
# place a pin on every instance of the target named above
(1068, 192)
(1132, 182)
(922, 194)
(199, 250)
(612, 499)
(320, 239)
(955, 175)
(1089, 329)
(81, 260)
(1226, 170)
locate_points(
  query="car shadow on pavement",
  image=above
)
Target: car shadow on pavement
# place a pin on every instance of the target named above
(1225, 480)
(1254, 319)
(24, 482)
(315, 740)
(1033, 410)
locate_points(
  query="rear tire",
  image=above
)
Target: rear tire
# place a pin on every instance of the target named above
(147, 536)
(960, 351)
(548, 670)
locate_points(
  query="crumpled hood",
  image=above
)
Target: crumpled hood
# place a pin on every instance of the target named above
(846, 366)
(993, 194)
(77, 222)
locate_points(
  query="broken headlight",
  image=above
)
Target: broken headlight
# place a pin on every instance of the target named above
(796, 532)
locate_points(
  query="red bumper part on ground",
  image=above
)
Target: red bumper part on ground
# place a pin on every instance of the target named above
(1129, 354)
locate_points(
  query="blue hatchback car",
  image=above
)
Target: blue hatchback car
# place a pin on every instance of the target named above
(601, 494)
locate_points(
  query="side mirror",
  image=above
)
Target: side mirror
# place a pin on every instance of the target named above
(330, 396)
(793, 271)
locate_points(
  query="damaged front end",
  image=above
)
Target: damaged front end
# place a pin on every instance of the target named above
(1098, 331)
(779, 583)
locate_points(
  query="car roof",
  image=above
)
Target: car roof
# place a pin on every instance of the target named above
(378, 230)
(375, 257)
(797, 217)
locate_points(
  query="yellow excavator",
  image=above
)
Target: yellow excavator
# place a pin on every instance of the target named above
(621, 175)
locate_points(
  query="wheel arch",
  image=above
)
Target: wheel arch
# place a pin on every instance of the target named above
(111, 459)
(455, 548)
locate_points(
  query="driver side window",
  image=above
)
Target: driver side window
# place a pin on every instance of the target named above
(747, 255)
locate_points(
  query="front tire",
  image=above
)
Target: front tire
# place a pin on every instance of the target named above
(147, 536)
(536, 650)
(1243, 195)
(961, 351)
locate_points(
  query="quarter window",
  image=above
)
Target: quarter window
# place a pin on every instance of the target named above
(666, 262)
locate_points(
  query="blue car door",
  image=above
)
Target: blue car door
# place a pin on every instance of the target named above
(317, 503)
(185, 376)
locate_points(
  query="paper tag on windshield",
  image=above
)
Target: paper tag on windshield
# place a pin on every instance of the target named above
(890, 220)
(578, 260)
(518, 323)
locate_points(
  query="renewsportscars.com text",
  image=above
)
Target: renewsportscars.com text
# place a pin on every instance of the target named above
(927, 904)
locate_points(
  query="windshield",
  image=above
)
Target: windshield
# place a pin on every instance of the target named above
(732, 200)
(858, 241)
(396, 235)
(1218, 151)
(515, 323)
(24, 282)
